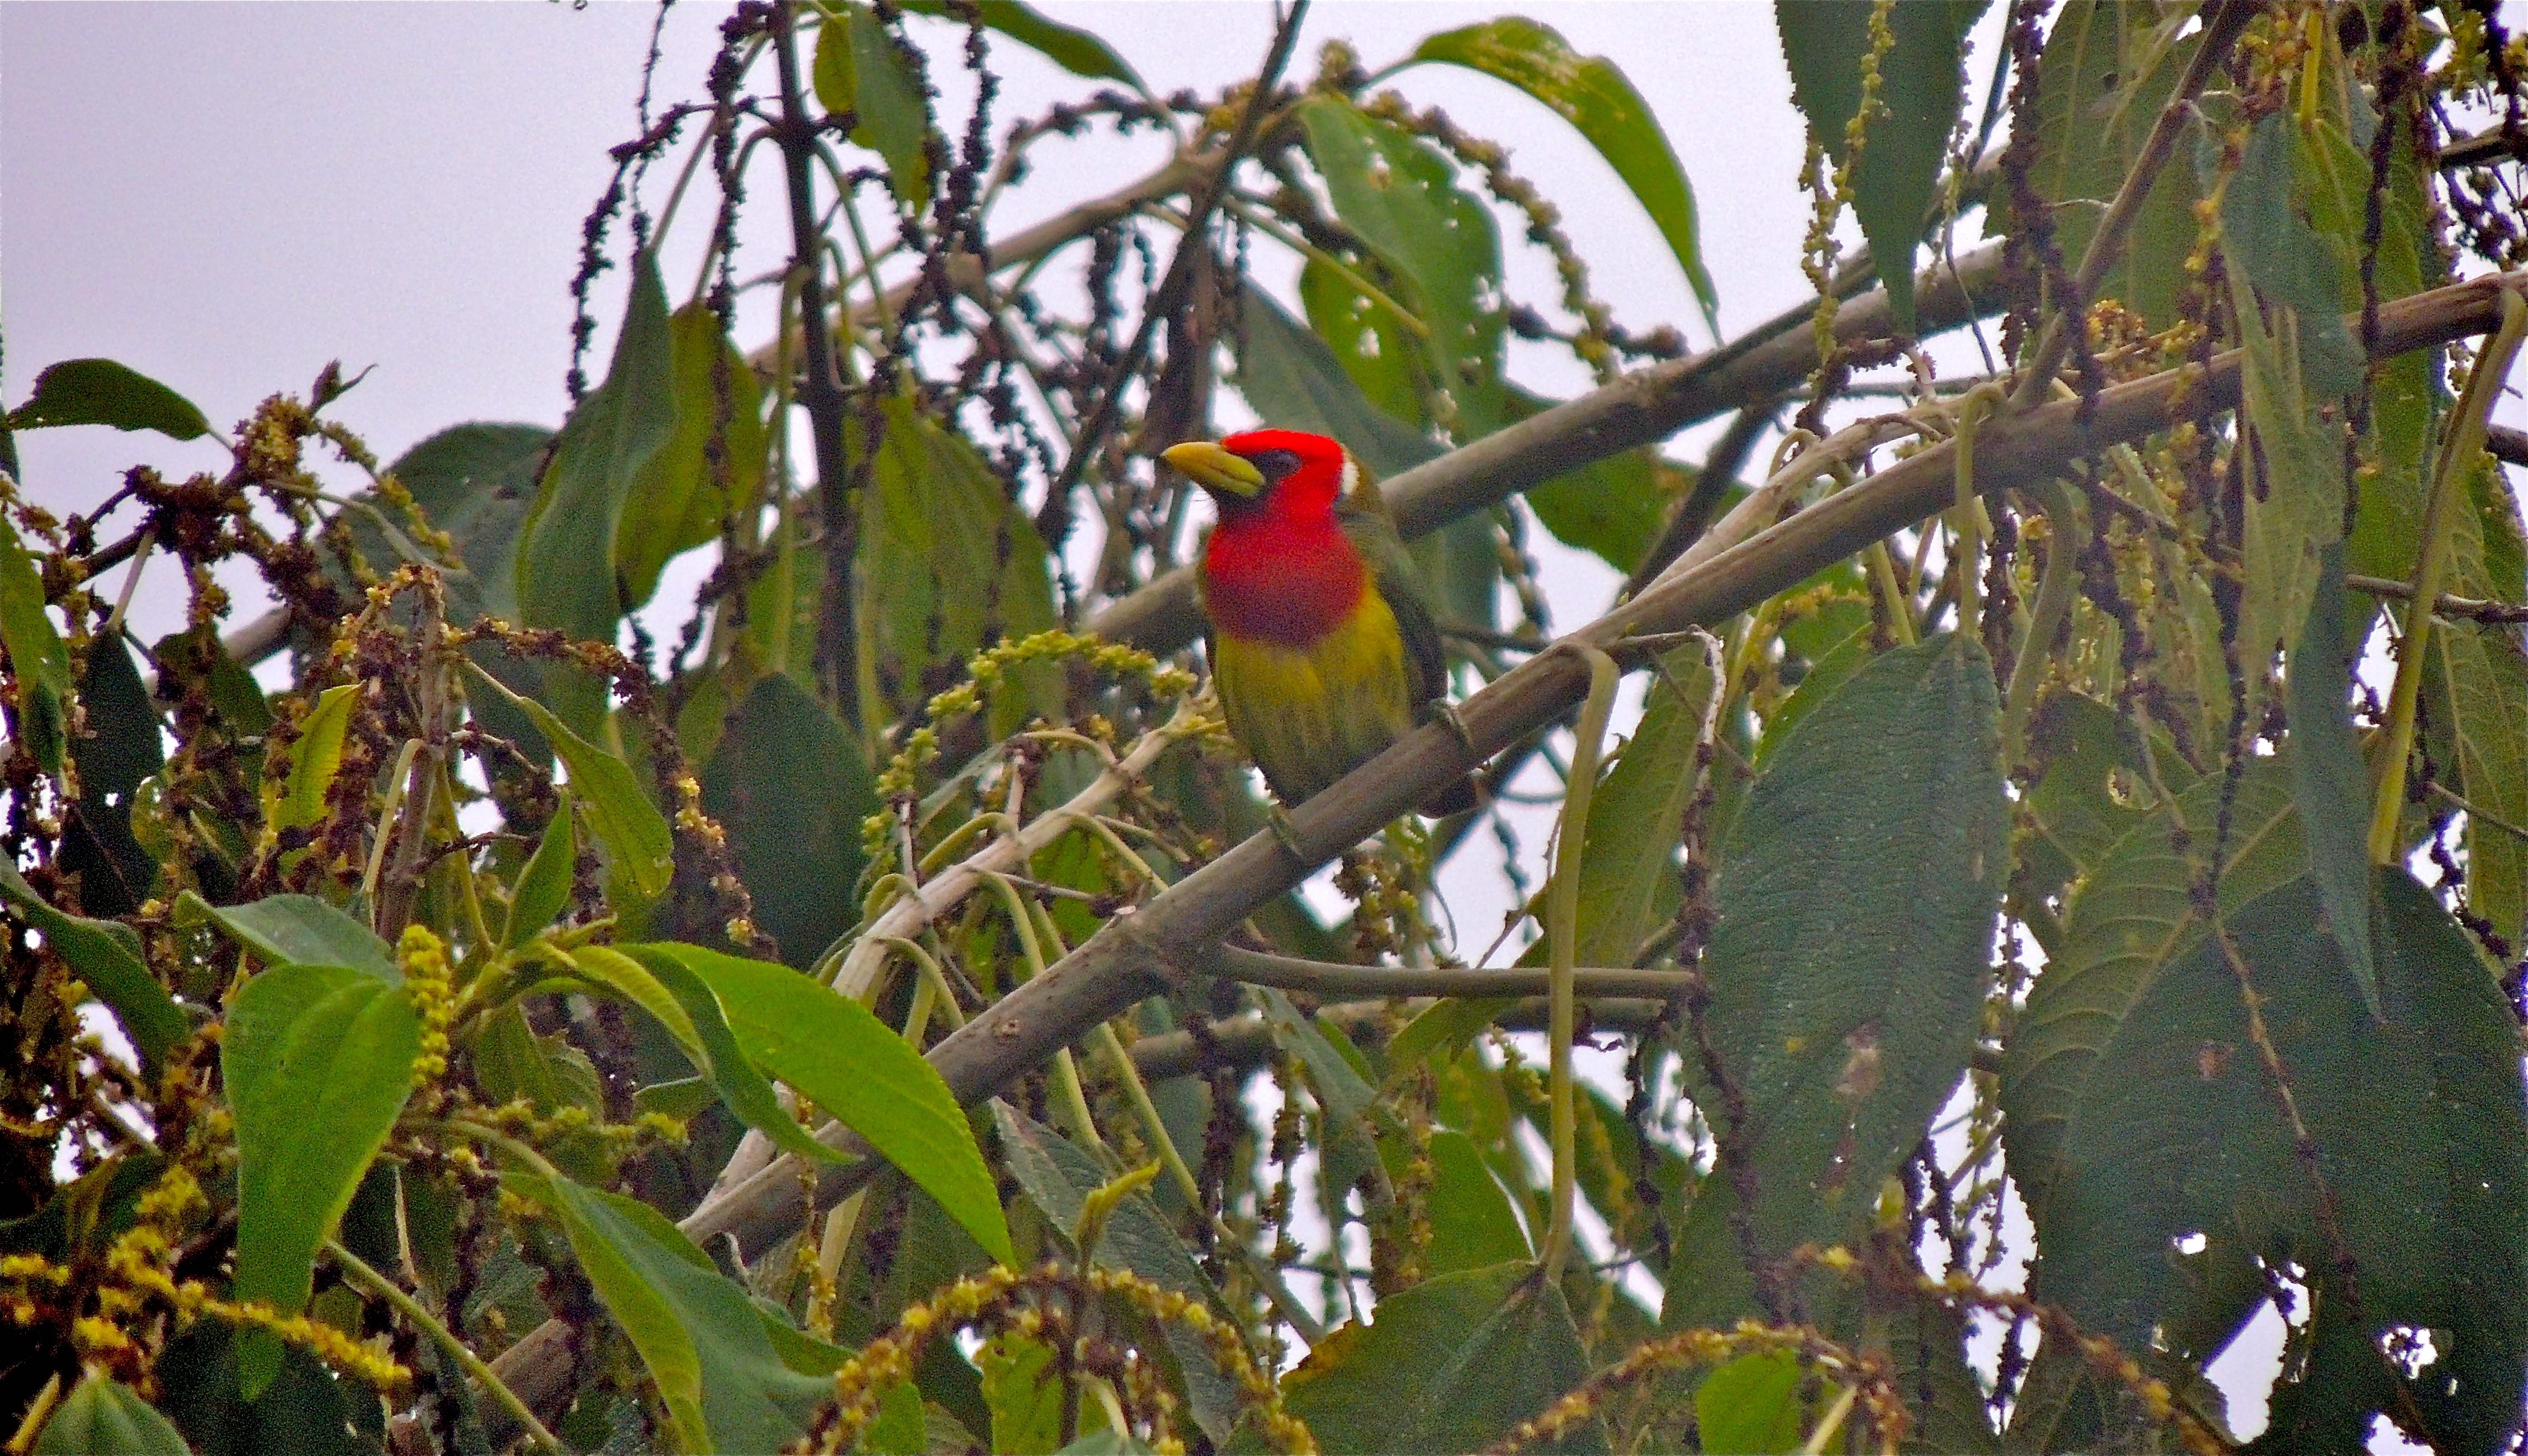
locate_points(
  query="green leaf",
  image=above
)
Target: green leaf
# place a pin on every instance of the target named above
(635, 834)
(840, 1056)
(513, 1062)
(1027, 1394)
(2105, 76)
(122, 751)
(1855, 898)
(1073, 50)
(790, 784)
(2330, 784)
(38, 665)
(100, 391)
(318, 1062)
(306, 1411)
(1401, 199)
(1921, 84)
(1752, 1404)
(1472, 1222)
(106, 955)
(676, 501)
(1367, 337)
(2418, 1124)
(303, 930)
(1614, 507)
(704, 1341)
(1592, 94)
(1057, 1176)
(2269, 234)
(476, 481)
(542, 891)
(1484, 1349)
(948, 564)
(719, 1057)
(297, 800)
(104, 1417)
(1295, 381)
(2485, 673)
(858, 71)
(2131, 916)
(565, 575)
(2295, 492)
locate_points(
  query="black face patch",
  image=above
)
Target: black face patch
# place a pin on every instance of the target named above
(1275, 464)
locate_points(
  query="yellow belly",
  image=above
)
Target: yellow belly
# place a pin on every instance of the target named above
(1309, 716)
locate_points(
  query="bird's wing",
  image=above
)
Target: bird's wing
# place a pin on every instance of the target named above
(1399, 580)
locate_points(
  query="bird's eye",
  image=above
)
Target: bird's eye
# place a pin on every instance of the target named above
(1275, 463)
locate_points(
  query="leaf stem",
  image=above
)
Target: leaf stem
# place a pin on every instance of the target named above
(359, 1272)
(2458, 450)
(1563, 932)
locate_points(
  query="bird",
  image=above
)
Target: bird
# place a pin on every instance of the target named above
(1322, 644)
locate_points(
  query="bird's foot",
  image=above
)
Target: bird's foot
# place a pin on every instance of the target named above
(1458, 729)
(1284, 833)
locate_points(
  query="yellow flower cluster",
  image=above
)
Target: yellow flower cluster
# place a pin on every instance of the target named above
(423, 959)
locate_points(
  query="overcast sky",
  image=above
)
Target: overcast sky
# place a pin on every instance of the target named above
(227, 196)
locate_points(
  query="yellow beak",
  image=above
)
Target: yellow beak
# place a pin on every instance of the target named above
(1209, 466)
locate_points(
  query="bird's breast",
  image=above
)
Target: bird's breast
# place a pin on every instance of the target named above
(1282, 583)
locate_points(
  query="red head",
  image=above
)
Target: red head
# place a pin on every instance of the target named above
(1279, 566)
(1288, 475)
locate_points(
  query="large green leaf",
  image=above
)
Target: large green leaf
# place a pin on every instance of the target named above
(2106, 72)
(1592, 94)
(718, 1373)
(848, 1063)
(676, 501)
(1294, 381)
(2484, 670)
(1921, 83)
(1452, 1364)
(2131, 916)
(318, 1062)
(104, 1417)
(106, 955)
(2270, 233)
(948, 564)
(2295, 490)
(1058, 1177)
(790, 784)
(1614, 507)
(566, 552)
(2330, 786)
(122, 751)
(686, 1006)
(860, 72)
(1075, 50)
(303, 930)
(1856, 897)
(634, 833)
(2420, 1130)
(100, 391)
(1401, 199)
(38, 663)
